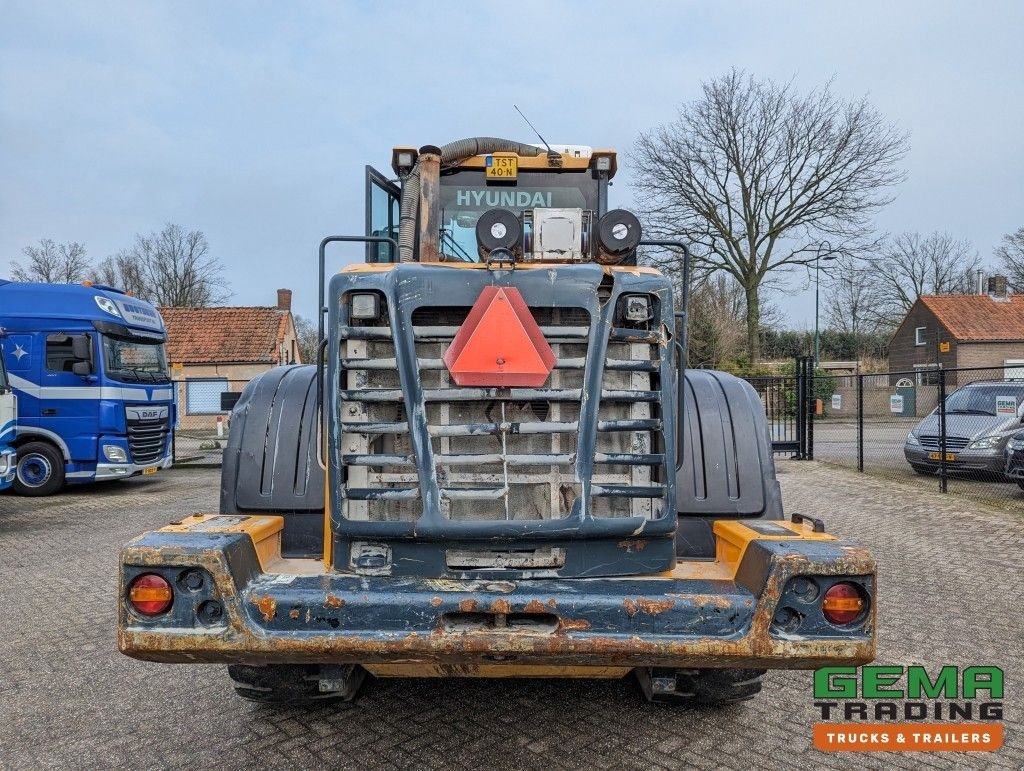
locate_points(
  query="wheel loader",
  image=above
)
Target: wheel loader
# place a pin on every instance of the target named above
(498, 467)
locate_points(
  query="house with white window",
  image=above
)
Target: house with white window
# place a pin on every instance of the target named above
(983, 331)
(216, 351)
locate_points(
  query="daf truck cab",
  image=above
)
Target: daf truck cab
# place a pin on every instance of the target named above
(95, 397)
(8, 419)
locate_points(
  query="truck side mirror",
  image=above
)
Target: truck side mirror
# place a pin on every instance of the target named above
(81, 348)
(82, 368)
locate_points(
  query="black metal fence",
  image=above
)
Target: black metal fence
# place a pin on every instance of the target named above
(951, 430)
(788, 407)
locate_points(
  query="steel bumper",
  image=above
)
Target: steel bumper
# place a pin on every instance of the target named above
(243, 613)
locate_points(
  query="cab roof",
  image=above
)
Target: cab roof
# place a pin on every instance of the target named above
(573, 158)
(28, 300)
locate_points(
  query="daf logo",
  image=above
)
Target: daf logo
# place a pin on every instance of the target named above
(145, 413)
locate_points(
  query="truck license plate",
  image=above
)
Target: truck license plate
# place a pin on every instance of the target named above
(149, 470)
(950, 456)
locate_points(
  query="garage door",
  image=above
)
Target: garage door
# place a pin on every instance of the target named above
(202, 395)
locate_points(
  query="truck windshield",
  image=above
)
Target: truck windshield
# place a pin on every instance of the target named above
(465, 195)
(135, 361)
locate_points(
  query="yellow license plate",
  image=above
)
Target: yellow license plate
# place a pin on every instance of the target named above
(950, 456)
(502, 167)
(149, 470)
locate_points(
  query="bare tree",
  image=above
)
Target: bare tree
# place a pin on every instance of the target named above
(756, 175)
(305, 331)
(53, 263)
(171, 268)
(121, 271)
(851, 294)
(1011, 258)
(911, 265)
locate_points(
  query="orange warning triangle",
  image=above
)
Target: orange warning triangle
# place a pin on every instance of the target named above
(499, 344)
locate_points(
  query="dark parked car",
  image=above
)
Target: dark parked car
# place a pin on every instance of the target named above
(1015, 458)
(980, 419)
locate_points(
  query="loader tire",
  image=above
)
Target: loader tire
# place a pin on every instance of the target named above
(296, 683)
(700, 687)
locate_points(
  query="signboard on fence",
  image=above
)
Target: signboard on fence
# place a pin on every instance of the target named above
(896, 404)
(1006, 405)
(837, 401)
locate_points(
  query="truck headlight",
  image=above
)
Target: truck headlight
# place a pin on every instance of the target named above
(115, 454)
(912, 439)
(985, 443)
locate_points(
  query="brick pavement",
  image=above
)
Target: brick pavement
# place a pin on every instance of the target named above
(950, 576)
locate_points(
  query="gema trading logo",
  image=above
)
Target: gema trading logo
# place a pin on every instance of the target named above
(896, 708)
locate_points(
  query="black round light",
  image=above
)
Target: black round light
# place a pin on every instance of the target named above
(498, 229)
(618, 233)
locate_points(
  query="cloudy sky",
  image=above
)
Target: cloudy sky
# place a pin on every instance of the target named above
(253, 121)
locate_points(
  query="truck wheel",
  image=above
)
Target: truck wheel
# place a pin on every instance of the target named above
(700, 687)
(296, 683)
(40, 469)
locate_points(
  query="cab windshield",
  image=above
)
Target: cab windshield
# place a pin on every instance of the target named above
(986, 400)
(135, 361)
(466, 194)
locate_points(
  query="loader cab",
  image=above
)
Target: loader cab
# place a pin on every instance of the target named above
(565, 190)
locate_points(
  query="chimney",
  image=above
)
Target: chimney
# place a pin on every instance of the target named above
(284, 299)
(997, 288)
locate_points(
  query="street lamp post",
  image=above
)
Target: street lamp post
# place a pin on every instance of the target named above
(817, 294)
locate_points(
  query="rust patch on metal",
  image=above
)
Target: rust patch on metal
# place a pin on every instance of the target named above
(632, 547)
(294, 614)
(650, 607)
(468, 606)
(267, 606)
(436, 601)
(551, 603)
(574, 625)
(501, 606)
(534, 606)
(332, 601)
(704, 600)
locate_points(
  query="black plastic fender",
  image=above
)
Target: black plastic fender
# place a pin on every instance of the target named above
(725, 464)
(271, 460)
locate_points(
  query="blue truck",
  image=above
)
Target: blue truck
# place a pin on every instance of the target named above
(8, 416)
(95, 398)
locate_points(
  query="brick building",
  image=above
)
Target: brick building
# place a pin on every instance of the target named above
(978, 330)
(217, 350)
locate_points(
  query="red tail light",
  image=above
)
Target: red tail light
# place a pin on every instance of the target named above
(843, 603)
(150, 594)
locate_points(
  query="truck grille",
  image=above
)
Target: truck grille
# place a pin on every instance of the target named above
(147, 439)
(501, 453)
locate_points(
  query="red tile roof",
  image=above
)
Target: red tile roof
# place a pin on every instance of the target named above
(979, 318)
(249, 335)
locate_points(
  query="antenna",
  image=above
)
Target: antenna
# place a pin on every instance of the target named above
(542, 139)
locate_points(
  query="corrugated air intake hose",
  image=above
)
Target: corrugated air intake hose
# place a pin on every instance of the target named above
(453, 152)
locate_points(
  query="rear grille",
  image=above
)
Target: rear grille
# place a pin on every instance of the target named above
(501, 453)
(952, 442)
(147, 439)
